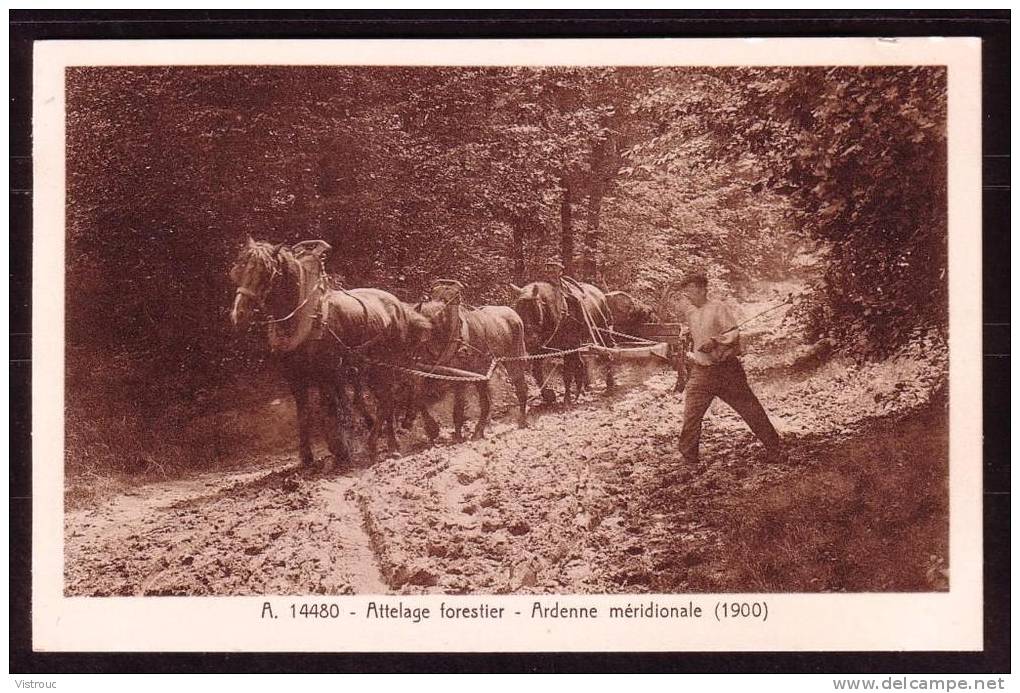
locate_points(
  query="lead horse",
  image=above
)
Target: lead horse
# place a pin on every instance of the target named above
(322, 333)
(564, 318)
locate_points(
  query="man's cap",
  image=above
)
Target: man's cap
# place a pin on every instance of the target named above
(694, 277)
(553, 263)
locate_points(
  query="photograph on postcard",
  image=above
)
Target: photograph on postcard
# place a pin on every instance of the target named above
(530, 329)
(340, 330)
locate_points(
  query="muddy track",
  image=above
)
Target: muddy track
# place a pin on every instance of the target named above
(273, 532)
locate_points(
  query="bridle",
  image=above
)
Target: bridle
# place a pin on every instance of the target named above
(564, 313)
(454, 337)
(245, 291)
(261, 299)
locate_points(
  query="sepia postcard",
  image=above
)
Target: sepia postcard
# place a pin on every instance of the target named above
(507, 345)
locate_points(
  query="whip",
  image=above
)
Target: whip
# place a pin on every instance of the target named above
(789, 299)
(786, 301)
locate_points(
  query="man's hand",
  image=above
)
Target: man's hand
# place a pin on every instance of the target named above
(708, 346)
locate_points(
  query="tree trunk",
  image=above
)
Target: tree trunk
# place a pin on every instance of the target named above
(592, 235)
(566, 230)
(517, 251)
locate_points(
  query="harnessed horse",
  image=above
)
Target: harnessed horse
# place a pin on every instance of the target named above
(564, 318)
(323, 332)
(470, 339)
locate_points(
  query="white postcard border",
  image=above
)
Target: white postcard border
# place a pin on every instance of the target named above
(797, 622)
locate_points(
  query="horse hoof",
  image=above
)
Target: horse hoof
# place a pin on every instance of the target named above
(478, 435)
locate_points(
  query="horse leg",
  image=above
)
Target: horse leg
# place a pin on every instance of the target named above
(548, 394)
(610, 380)
(568, 377)
(412, 395)
(340, 415)
(458, 412)
(358, 401)
(484, 409)
(429, 421)
(300, 389)
(419, 396)
(389, 407)
(521, 388)
(572, 366)
(378, 422)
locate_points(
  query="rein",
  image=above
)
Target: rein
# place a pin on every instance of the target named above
(577, 291)
(319, 284)
(271, 321)
(564, 313)
(278, 267)
(454, 338)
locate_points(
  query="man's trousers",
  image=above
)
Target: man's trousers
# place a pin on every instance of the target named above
(728, 382)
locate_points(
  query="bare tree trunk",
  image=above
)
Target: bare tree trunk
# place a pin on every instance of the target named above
(517, 251)
(566, 230)
(592, 234)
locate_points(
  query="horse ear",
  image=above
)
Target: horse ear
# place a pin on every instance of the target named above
(318, 248)
(250, 242)
(516, 289)
(277, 249)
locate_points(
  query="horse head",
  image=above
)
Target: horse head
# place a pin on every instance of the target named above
(268, 276)
(442, 311)
(541, 310)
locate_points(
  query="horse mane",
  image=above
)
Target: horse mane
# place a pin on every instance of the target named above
(276, 259)
(262, 252)
(416, 321)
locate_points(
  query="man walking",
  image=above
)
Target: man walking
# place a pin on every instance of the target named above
(716, 372)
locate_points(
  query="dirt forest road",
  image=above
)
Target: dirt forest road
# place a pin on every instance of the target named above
(590, 499)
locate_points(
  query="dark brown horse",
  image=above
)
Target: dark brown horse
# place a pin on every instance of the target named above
(561, 318)
(470, 339)
(629, 312)
(316, 334)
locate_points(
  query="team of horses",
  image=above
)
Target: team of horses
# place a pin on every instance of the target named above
(346, 342)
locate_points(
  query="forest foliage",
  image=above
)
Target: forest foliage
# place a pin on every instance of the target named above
(631, 176)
